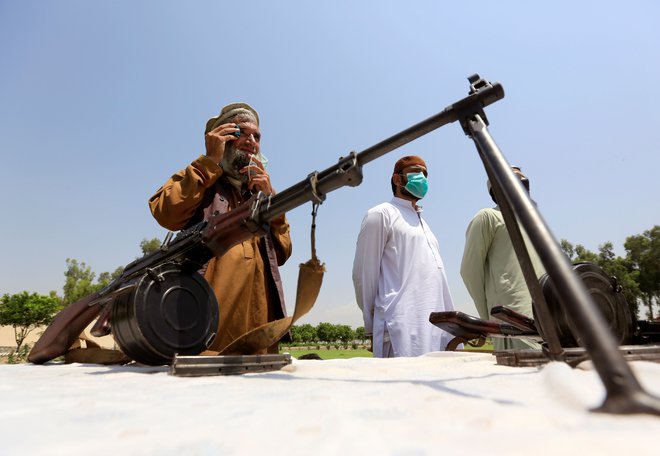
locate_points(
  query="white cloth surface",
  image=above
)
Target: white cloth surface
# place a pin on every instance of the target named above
(440, 403)
(399, 279)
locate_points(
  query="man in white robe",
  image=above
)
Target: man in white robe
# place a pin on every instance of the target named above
(398, 273)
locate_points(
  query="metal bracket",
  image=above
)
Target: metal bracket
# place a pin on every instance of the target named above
(253, 222)
(312, 180)
(468, 112)
(352, 169)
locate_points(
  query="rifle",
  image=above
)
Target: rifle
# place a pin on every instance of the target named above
(161, 307)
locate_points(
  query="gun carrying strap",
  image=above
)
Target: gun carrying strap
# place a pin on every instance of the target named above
(310, 278)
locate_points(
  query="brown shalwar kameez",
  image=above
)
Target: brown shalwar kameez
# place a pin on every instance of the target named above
(246, 279)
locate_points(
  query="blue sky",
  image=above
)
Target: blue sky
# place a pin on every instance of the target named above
(100, 102)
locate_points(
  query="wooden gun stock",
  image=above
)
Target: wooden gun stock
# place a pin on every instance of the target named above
(65, 329)
(514, 318)
(463, 325)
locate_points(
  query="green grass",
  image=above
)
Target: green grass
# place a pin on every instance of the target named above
(486, 346)
(333, 353)
(330, 354)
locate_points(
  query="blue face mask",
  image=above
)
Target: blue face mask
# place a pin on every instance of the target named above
(417, 184)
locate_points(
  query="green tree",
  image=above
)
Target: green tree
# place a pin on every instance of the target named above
(326, 332)
(360, 334)
(79, 281)
(106, 277)
(578, 253)
(25, 312)
(150, 245)
(80, 277)
(295, 334)
(303, 334)
(643, 253)
(345, 333)
(308, 334)
(568, 248)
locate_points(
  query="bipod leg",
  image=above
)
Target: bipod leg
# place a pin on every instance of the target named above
(624, 394)
(554, 349)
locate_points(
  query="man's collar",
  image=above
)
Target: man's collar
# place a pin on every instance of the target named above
(406, 203)
(236, 183)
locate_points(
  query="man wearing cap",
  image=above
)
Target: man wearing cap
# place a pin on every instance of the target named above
(491, 271)
(246, 279)
(398, 273)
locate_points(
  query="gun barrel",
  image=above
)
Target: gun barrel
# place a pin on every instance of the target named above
(348, 171)
(478, 99)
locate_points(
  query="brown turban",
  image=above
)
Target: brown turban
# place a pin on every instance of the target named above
(230, 111)
(405, 162)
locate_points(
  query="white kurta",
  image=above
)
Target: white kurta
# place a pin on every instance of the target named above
(400, 279)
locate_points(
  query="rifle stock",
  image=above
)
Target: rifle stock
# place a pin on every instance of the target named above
(64, 330)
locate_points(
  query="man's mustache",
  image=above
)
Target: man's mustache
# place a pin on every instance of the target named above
(241, 160)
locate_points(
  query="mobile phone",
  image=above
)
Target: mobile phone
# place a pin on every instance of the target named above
(237, 133)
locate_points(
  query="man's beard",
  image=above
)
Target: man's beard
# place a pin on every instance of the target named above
(233, 161)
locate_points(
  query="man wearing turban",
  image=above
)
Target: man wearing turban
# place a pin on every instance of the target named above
(246, 279)
(398, 274)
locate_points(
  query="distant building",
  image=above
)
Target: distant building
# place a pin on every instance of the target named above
(8, 339)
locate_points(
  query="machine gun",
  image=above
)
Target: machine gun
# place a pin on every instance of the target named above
(638, 339)
(160, 307)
